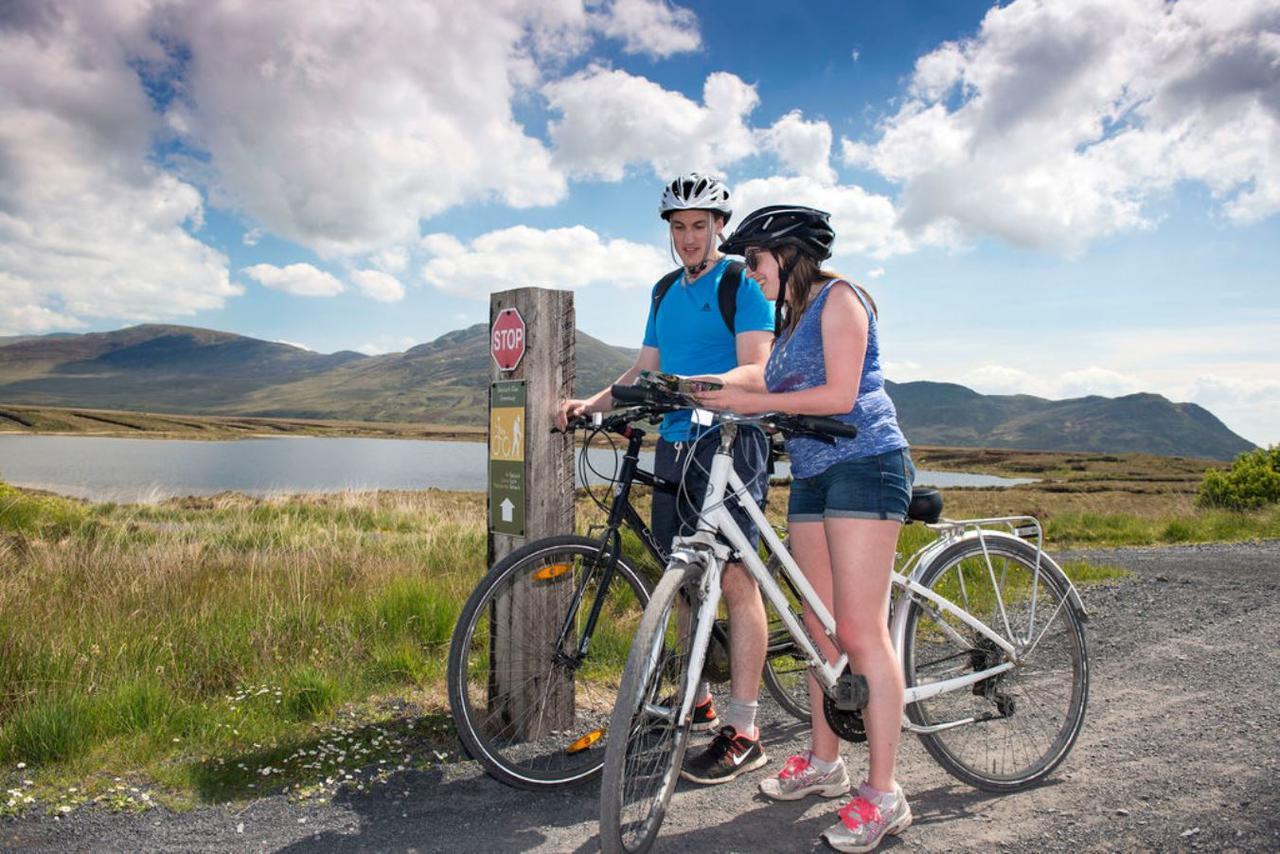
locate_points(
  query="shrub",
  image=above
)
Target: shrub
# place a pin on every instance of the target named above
(1253, 481)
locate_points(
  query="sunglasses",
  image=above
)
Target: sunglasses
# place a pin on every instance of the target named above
(752, 257)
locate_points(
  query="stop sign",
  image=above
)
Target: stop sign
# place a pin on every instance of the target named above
(507, 339)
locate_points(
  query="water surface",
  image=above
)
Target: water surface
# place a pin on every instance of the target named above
(130, 470)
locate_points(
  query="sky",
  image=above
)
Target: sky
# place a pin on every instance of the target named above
(1048, 198)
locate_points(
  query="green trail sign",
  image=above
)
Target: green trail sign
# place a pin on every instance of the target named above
(506, 457)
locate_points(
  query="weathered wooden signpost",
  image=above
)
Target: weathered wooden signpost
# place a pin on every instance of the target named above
(530, 496)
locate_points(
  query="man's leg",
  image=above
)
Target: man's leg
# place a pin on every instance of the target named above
(737, 749)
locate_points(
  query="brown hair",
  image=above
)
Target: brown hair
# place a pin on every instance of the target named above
(805, 274)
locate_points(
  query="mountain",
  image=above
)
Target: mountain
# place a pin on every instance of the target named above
(164, 368)
(182, 369)
(947, 414)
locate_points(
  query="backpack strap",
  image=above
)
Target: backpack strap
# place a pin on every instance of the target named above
(726, 291)
(727, 294)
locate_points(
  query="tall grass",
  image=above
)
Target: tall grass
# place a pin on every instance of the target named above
(164, 640)
(197, 626)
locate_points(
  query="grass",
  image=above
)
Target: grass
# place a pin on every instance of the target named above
(218, 648)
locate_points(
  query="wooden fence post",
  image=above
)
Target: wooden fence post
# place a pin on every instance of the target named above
(531, 495)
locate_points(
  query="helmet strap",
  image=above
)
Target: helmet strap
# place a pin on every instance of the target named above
(784, 273)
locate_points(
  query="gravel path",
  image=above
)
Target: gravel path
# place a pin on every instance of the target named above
(1179, 752)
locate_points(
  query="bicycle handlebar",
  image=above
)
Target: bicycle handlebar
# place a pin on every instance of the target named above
(656, 401)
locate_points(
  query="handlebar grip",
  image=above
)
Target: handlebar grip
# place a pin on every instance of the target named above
(825, 426)
(628, 394)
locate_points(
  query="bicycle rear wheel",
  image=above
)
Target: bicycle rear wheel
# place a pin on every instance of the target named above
(642, 761)
(533, 715)
(786, 672)
(1025, 719)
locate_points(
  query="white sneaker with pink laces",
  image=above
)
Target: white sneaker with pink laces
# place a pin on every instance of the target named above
(799, 778)
(867, 819)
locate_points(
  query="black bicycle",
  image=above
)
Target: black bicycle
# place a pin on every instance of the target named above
(538, 652)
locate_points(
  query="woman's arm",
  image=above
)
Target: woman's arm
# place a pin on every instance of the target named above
(844, 346)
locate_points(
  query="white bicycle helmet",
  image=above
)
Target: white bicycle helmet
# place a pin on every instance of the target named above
(695, 192)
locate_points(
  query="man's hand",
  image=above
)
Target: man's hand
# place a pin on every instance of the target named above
(570, 409)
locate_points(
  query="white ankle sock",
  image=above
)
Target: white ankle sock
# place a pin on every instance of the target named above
(741, 715)
(823, 766)
(704, 693)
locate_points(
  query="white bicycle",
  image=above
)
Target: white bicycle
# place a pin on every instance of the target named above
(989, 630)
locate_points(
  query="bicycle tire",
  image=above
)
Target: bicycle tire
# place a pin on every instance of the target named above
(786, 672)
(528, 750)
(642, 769)
(1009, 750)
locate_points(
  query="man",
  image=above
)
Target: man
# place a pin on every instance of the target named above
(695, 330)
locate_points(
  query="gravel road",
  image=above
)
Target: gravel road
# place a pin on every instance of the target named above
(1179, 752)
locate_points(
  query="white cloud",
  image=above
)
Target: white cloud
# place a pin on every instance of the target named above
(875, 272)
(294, 344)
(1059, 122)
(1000, 379)
(386, 344)
(610, 119)
(803, 148)
(1095, 380)
(378, 285)
(528, 257)
(300, 280)
(424, 93)
(252, 236)
(865, 223)
(652, 27)
(89, 228)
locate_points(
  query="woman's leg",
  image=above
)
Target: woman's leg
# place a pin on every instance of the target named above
(809, 547)
(862, 553)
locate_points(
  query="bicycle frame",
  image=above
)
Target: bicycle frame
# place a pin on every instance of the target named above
(703, 548)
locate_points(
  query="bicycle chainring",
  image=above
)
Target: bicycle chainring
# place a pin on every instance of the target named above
(846, 724)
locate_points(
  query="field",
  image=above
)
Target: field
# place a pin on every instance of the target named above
(212, 649)
(144, 425)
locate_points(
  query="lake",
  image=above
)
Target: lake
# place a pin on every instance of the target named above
(134, 470)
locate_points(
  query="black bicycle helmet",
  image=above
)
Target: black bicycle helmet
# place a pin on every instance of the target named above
(770, 227)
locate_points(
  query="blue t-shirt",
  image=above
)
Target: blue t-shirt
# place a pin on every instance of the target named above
(690, 335)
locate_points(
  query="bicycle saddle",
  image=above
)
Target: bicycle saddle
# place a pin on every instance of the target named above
(926, 506)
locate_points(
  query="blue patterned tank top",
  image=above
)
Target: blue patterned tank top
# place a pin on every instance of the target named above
(796, 363)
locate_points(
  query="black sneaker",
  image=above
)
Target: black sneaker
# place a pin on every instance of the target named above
(704, 716)
(728, 755)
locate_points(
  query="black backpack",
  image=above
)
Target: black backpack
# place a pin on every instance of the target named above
(726, 291)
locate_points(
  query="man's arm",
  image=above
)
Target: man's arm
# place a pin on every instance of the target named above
(602, 400)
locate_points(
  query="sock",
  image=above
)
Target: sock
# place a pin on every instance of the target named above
(704, 693)
(823, 766)
(741, 715)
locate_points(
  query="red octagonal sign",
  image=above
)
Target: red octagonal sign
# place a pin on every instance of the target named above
(507, 339)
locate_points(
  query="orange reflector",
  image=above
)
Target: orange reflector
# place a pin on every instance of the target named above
(585, 742)
(555, 570)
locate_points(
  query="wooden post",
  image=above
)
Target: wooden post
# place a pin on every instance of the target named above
(531, 616)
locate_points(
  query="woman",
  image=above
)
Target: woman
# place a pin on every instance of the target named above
(848, 500)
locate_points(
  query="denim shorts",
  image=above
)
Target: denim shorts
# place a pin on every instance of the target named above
(877, 487)
(676, 512)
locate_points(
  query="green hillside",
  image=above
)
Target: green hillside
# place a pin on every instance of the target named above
(180, 369)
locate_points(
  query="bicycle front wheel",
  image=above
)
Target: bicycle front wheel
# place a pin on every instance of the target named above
(642, 761)
(1024, 720)
(532, 712)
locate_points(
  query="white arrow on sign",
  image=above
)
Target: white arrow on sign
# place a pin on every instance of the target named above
(507, 508)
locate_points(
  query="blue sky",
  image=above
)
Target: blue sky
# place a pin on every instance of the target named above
(1045, 198)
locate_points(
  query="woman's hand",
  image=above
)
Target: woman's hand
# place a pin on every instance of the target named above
(730, 399)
